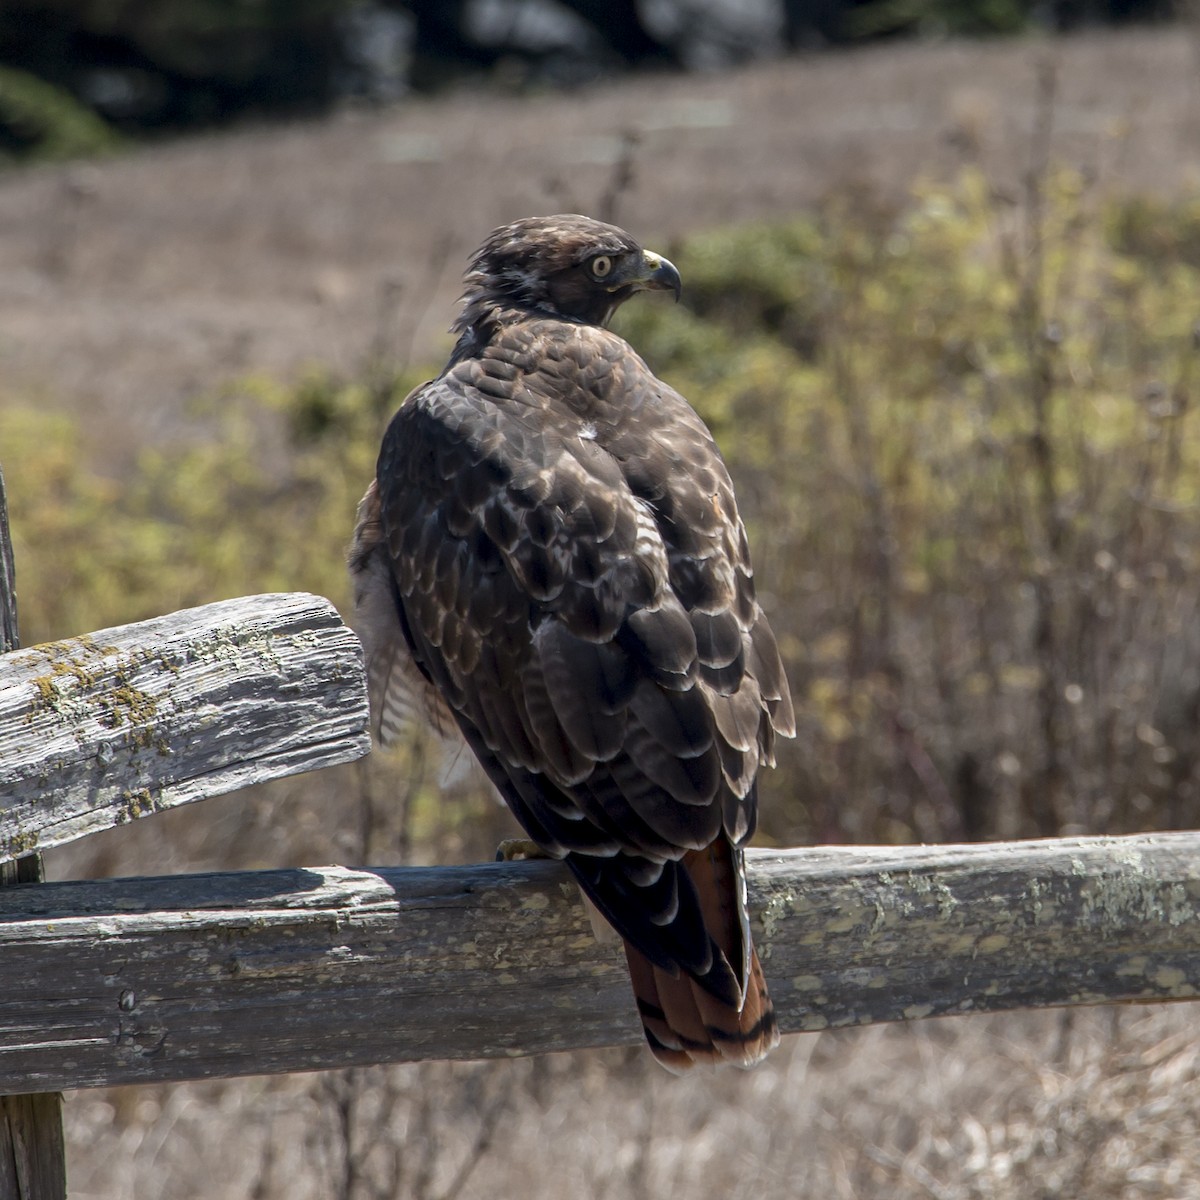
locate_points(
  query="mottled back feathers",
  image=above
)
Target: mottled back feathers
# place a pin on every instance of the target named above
(551, 557)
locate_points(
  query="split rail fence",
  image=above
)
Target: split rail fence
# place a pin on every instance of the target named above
(120, 981)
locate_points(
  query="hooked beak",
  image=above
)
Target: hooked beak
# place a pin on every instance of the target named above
(657, 274)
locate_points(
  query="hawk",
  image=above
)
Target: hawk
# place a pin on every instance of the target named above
(550, 563)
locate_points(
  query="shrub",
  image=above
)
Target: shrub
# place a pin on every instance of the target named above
(964, 442)
(39, 120)
(971, 488)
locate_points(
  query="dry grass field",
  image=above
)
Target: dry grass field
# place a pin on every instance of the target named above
(131, 285)
(1095, 1106)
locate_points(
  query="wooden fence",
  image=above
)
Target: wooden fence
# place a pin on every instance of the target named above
(199, 976)
(202, 976)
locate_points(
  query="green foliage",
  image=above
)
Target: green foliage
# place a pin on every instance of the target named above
(757, 279)
(1163, 232)
(39, 120)
(151, 66)
(261, 497)
(885, 18)
(71, 70)
(964, 440)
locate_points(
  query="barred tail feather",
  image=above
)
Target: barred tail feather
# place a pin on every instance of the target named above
(726, 1015)
(686, 1027)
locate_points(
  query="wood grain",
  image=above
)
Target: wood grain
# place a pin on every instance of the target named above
(33, 1163)
(139, 980)
(103, 729)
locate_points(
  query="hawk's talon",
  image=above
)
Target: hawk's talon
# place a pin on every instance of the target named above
(519, 850)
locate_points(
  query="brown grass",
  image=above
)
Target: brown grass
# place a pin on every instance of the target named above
(1094, 1105)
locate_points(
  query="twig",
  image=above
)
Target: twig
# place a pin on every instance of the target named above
(1040, 341)
(622, 178)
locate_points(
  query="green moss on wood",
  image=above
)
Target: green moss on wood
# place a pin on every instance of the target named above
(137, 803)
(18, 844)
(84, 679)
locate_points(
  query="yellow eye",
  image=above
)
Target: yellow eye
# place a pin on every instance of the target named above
(601, 266)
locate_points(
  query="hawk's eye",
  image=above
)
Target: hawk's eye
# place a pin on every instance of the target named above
(602, 265)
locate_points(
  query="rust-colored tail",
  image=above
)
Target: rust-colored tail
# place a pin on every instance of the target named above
(687, 1024)
(686, 1027)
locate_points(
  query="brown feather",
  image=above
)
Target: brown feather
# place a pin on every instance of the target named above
(552, 563)
(685, 1024)
(402, 700)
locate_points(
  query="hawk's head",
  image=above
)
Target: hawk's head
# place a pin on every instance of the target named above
(567, 265)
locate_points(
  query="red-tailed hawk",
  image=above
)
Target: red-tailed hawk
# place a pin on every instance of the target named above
(551, 561)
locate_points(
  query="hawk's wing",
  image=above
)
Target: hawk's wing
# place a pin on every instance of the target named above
(404, 703)
(570, 572)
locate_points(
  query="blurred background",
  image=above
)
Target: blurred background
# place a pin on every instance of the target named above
(75, 70)
(941, 265)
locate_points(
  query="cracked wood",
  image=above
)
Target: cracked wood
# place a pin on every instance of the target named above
(186, 977)
(102, 729)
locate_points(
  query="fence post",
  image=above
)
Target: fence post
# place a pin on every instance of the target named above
(33, 1161)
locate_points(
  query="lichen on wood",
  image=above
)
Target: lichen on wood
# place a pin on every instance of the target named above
(112, 726)
(128, 980)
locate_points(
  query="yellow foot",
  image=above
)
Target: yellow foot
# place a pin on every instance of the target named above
(518, 849)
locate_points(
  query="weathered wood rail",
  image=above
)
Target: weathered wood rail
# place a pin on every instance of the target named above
(140, 980)
(101, 729)
(105, 728)
(33, 1161)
